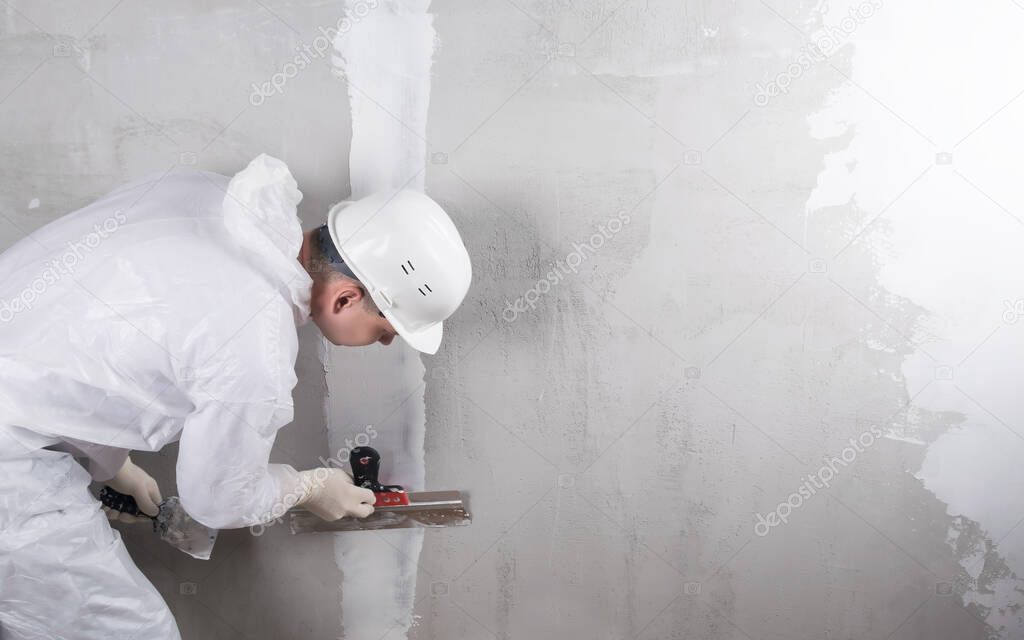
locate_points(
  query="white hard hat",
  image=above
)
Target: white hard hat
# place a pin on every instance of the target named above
(406, 251)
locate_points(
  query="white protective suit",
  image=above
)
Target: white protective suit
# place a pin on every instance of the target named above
(165, 311)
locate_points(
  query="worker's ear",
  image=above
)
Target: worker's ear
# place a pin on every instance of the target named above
(349, 294)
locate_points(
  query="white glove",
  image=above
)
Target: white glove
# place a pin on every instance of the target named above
(330, 494)
(133, 481)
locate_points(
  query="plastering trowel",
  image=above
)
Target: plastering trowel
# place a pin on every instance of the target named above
(394, 507)
(174, 526)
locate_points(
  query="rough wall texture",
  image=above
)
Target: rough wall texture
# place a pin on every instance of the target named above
(624, 427)
(700, 272)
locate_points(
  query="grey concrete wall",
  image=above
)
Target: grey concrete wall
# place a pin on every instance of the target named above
(621, 435)
(839, 261)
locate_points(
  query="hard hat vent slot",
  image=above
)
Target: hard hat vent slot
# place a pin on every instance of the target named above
(425, 286)
(410, 269)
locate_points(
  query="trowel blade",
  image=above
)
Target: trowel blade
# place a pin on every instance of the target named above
(179, 530)
(426, 509)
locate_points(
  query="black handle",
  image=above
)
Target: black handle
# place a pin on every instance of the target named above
(365, 463)
(121, 502)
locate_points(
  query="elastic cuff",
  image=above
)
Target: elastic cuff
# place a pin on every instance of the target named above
(305, 487)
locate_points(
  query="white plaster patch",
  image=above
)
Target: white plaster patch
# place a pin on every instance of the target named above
(385, 59)
(953, 252)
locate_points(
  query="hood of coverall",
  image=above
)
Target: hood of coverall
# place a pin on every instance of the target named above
(260, 213)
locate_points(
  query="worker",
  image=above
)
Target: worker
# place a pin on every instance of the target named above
(167, 311)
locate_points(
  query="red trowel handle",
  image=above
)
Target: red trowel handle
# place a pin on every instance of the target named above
(365, 463)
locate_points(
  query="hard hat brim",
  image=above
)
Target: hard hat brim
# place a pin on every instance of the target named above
(426, 340)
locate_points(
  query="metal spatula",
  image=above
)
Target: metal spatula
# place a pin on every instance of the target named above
(174, 526)
(394, 508)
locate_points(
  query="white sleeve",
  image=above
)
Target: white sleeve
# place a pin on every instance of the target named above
(242, 391)
(225, 480)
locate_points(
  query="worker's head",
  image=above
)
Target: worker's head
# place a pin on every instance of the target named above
(340, 305)
(390, 264)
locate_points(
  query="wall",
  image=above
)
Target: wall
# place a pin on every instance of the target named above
(771, 298)
(733, 254)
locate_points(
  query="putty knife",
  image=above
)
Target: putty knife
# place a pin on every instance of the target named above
(394, 508)
(174, 526)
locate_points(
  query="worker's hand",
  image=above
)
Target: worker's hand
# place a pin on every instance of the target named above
(133, 481)
(330, 494)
